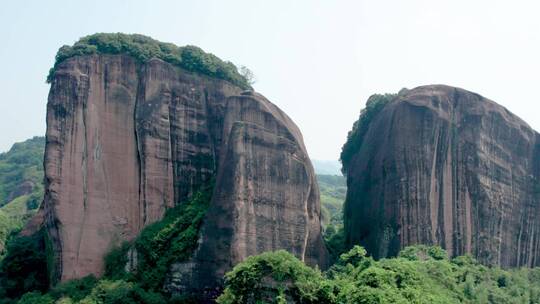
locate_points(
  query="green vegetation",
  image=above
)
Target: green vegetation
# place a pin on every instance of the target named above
(333, 189)
(21, 188)
(170, 240)
(23, 162)
(334, 238)
(24, 268)
(24, 271)
(13, 216)
(143, 48)
(173, 239)
(76, 290)
(355, 137)
(420, 274)
(91, 291)
(262, 278)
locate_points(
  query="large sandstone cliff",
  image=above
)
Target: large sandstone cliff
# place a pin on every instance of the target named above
(127, 140)
(264, 197)
(441, 165)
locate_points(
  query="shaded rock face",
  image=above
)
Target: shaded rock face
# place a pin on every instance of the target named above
(264, 199)
(441, 165)
(126, 141)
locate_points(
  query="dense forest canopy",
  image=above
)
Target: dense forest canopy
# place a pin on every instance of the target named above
(144, 48)
(420, 274)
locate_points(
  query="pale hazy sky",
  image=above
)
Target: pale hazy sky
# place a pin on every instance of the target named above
(317, 60)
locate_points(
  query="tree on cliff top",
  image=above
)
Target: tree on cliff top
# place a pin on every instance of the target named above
(144, 48)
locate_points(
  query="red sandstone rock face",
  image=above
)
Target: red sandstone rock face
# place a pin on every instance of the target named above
(266, 197)
(441, 165)
(125, 141)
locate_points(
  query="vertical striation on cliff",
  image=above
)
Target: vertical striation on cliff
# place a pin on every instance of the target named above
(266, 197)
(126, 140)
(441, 165)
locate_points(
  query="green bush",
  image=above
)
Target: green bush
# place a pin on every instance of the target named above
(356, 257)
(287, 277)
(160, 244)
(122, 292)
(24, 268)
(115, 262)
(144, 48)
(423, 252)
(91, 291)
(334, 238)
(75, 290)
(170, 240)
(35, 298)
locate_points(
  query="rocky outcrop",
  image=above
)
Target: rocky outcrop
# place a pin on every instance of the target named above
(441, 165)
(264, 197)
(127, 140)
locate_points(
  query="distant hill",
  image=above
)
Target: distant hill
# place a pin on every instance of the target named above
(333, 189)
(328, 167)
(21, 185)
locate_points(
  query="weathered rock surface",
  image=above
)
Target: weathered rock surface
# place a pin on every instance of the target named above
(264, 197)
(126, 141)
(441, 165)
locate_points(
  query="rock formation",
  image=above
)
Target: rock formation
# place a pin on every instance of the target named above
(441, 165)
(126, 140)
(263, 200)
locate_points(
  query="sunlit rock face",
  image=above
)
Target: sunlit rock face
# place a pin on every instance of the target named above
(441, 165)
(127, 140)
